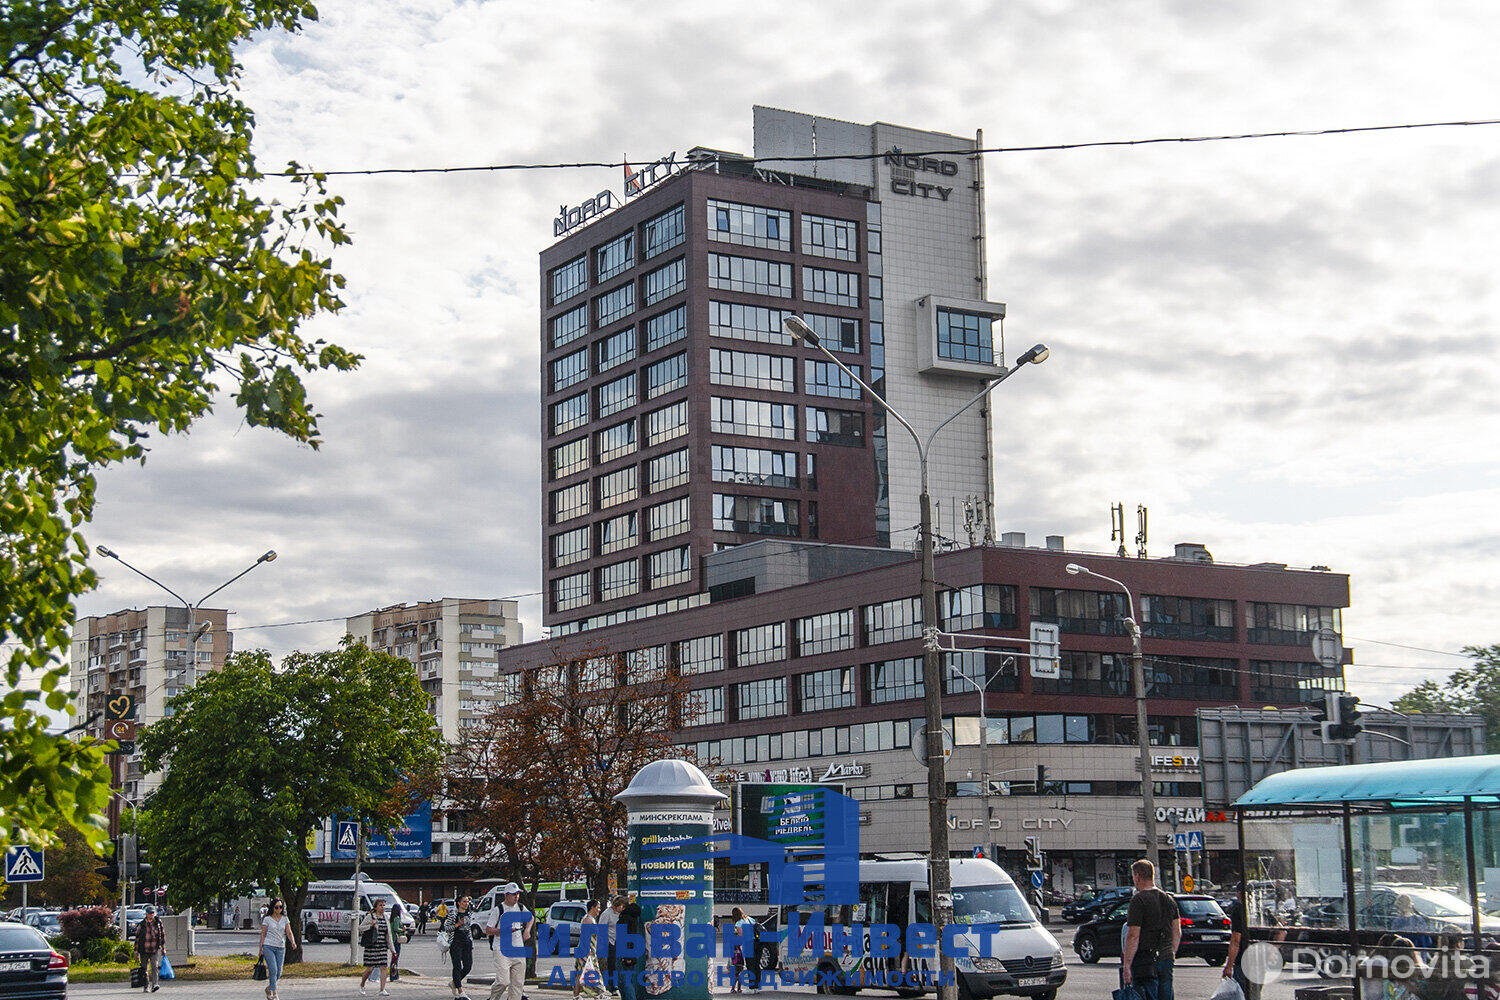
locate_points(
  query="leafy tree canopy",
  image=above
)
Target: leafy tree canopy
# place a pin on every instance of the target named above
(71, 879)
(1473, 690)
(140, 274)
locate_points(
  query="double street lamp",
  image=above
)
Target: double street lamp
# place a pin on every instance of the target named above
(932, 671)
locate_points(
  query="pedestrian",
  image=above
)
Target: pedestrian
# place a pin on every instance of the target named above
(629, 966)
(457, 925)
(375, 939)
(398, 922)
(611, 918)
(422, 913)
(276, 935)
(442, 911)
(737, 920)
(150, 942)
(510, 970)
(586, 961)
(1153, 935)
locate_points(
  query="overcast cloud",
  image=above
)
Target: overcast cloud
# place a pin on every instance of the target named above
(1285, 348)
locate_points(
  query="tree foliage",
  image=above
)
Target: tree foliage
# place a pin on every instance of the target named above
(71, 879)
(1474, 690)
(256, 758)
(140, 274)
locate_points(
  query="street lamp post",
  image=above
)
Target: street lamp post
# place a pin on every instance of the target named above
(984, 741)
(1143, 734)
(938, 877)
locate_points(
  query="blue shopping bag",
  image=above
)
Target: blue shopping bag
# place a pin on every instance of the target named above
(166, 969)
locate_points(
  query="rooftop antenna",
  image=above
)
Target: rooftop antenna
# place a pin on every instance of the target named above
(1117, 527)
(969, 519)
(1140, 536)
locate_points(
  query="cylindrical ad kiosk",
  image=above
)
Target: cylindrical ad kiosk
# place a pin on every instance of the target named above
(670, 874)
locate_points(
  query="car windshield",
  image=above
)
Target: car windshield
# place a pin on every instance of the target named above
(1199, 908)
(1432, 903)
(989, 904)
(19, 937)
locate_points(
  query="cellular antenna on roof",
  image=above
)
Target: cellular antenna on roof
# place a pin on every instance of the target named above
(1117, 527)
(1140, 536)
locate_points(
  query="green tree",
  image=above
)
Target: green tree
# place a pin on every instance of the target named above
(140, 274)
(256, 758)
(71, 879)
(1473, 690)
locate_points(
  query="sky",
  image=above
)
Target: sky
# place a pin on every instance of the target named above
(1285, 348)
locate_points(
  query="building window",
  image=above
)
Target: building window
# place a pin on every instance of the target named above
(835, 288)
(570, 546)
(666, 328)
(749, 274)
(616, 349)
(664, 282)
(566, 459)
(666, 375)
(988, 605)
(569, 279)
(703, 707)
(613, 442)
(754, 466)
(835, 332)
(615, 257)
(619, 579)
(893, 621)
(665, 471)
(825, 237)
(702, 655)
(617, 487)
(663, 232)
(570, 591)
(1280, 683)
(1191, 677)
(760, 644)
(963, 670)
(665, 569)
(667, 423)
(570, 325)
(619, 533)
(615, 305)
(894, 680)
(761, 699)
(570, 369)
(842, 427)
(756, 515)
(824, 378)
(1081, 612)
(825, 633)
(643, 665)
(1287, 624)
(751, 371)
(749, 225)
(667, 519)
(1088, 675)
(1202, 618)
(965, 336)
(741, 322)
(616, 396)
(570, 502)
(570, 413)
(752, 418)
(822, 690)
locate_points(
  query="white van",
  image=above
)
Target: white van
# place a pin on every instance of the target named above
(1021, 958)
(327, 908)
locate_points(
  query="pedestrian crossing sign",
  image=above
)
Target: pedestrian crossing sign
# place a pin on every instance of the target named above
(347, 836)
(24, 864)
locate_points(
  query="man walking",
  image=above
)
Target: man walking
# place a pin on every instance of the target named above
(150, 942)
(422, 913)
(1153, 934)
(611, 918)
(510, 970)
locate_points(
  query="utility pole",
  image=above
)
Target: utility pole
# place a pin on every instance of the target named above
(359, 896)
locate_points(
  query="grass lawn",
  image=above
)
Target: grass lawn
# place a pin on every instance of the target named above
(210, 967)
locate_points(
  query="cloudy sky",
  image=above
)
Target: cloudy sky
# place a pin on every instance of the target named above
(1286, 348)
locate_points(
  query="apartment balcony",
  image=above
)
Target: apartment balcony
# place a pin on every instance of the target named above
(430, 669)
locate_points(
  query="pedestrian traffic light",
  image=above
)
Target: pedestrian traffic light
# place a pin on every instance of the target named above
(1041, 779)
(1343, 724)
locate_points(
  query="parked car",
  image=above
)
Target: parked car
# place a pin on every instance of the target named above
(1205, 930)
(28, 965)
(44, 921)
(568, 914)
(1409, 910)
(1085, 909)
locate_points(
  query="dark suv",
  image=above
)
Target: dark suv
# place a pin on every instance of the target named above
(1205, 930)
(1090, 907)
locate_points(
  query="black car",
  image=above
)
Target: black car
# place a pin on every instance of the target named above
(1089, 907)
(29, 968)
(1205, 931)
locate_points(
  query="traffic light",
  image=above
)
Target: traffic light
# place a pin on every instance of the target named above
(1034, 854)
(1343, 724)
(1041, 779)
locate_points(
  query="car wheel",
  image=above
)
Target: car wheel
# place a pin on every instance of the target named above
(1088, 949)
(1214, 960)
(1049, 995)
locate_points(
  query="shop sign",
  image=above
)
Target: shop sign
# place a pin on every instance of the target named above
(1026, 823)
(905, 170)
(1182, 762)
(796, 772)
(1190, 814)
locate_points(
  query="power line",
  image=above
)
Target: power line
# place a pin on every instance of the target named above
(1419, 649)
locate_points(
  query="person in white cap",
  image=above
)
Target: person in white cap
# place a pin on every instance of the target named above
(510, 971)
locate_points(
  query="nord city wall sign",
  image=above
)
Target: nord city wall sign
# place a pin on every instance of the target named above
(636, 181)
(906, 171)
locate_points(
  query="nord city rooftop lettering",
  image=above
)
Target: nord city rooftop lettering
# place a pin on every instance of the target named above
(636, 181)
(904, 170)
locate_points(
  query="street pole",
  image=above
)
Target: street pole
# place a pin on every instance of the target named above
(358, 914)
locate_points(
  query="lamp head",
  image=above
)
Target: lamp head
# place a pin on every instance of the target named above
(1035, 356)
(797, 329)
(106, 553)
(270, 556)
(1074, 569)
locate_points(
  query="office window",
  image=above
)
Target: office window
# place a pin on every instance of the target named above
(835, 332)
(754, 466)
(615, 257)
(570, 325)
(570, 591)
(756, 515)
(761, 699)
(703, 707)
(617, 487)
(666, 423)
(666, 328)
(570, 546)
(824, 378)
(615, 305)
(752, 418)
(619, 579)
(989, 605)
(1288, 624)
(664, 569)
(751, 371)
(616, 349)
(749, 274)
(842, 427)
(666, 375)
(822, 690)
(570, 369)
(665, 471)
(664, 282)
(825, 633)
(893, 621)
(741, 322)
(825, 237)
(613, 442)
(663, 232)
(569, 502)
(648, 664)
(569, 279)
(570, 413)
(894, 680)
(566, 459)
(619, 533)
(702, 655)
(1202, 618)
(667, 519)
(615, 396)
(835, 288)
(964, 336)
(749, 225)
(760, 644)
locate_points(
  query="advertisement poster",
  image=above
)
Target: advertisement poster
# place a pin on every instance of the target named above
(786, 814)
(412, 839)
(672, 880)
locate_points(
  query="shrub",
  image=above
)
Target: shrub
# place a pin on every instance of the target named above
(124, 953)
(98, 950)
(87, 923)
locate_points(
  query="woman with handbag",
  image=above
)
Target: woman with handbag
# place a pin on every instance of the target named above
(586, 960)
(460, 943)
(375, 938)
(276, 936)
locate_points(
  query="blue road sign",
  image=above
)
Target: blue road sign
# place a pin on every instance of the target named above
(1036, 880)
(1180, 841)
(24, 864)
(1195, 840)
(345, 835)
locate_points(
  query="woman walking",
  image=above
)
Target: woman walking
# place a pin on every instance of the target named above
(276, 936)
(737, 960)
(375, 939)
(586, 960)
(460, 943)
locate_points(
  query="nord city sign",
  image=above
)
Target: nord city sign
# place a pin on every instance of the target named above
(904, 171)
(1027, 823)
(636, 181)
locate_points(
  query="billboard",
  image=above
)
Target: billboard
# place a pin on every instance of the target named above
(785, 813)
(412, 838)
